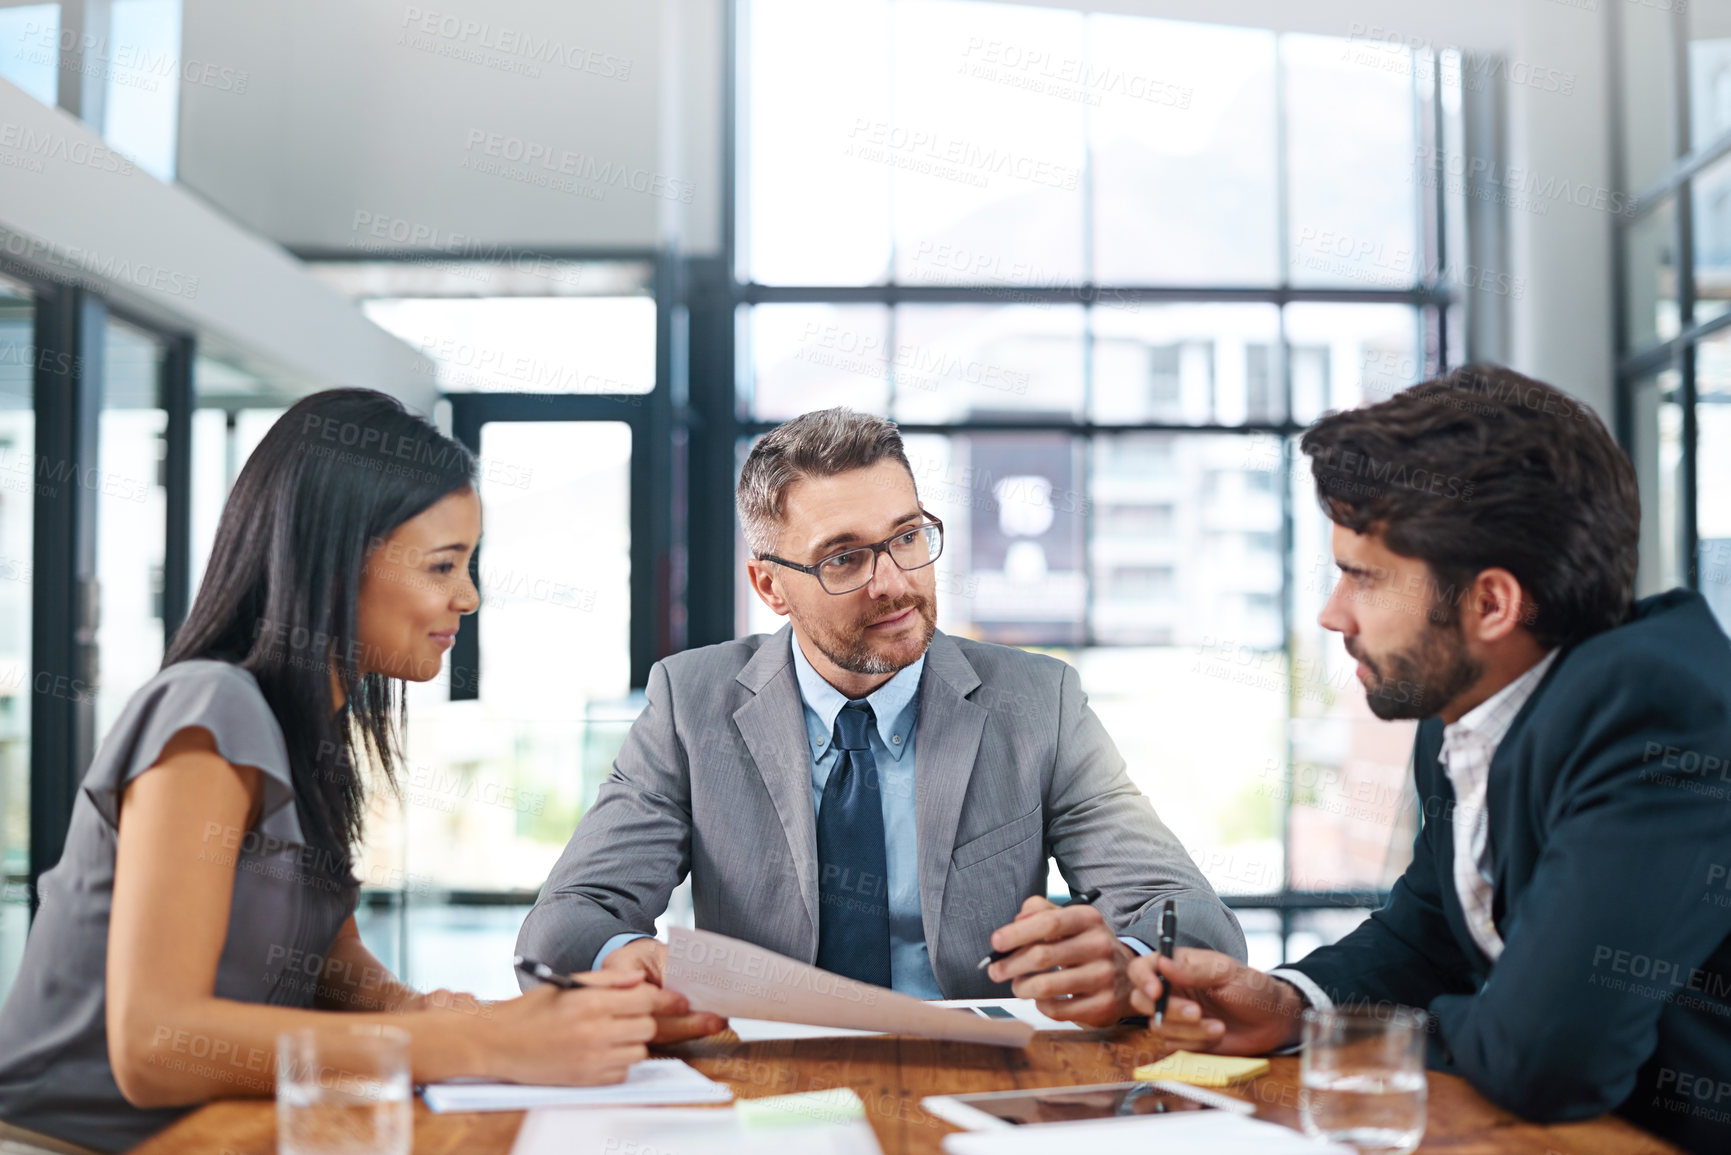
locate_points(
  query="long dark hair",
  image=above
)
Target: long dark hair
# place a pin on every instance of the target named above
(330, 480)
(1484, 467)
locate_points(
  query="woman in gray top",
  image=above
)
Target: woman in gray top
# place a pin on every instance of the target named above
(204, 901)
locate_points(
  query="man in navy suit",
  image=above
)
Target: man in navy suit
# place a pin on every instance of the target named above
(1566, 919)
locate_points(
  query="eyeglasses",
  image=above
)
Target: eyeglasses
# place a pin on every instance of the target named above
(852, 568)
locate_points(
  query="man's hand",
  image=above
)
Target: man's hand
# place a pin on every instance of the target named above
(1092, 987)
(646, 958)
(1216, 1003)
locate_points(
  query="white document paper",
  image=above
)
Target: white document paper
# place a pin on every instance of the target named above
(1188, 1133)
(671, 1131)
(651, 1082)
(730, 977)
(767, 1030)
(770, 1031)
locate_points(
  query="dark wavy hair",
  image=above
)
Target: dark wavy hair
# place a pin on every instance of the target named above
(328, 483)
(1483, 467)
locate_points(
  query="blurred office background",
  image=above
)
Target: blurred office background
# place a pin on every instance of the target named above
(1102, 260)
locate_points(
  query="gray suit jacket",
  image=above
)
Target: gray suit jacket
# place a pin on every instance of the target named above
(1011, 766)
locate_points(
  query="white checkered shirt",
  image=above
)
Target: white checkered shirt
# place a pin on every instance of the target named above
(1467, 749)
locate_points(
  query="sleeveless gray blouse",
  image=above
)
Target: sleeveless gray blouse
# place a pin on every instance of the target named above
(288, 905)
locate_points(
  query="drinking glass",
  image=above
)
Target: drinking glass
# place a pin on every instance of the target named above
(344, 1091)
(1361, 1078)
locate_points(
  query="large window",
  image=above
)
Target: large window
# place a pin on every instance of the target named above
(1103, 270)
(135, 61)
(29, 49)
(1674, 378)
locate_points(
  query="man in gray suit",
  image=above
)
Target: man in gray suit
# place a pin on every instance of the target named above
(864, 792)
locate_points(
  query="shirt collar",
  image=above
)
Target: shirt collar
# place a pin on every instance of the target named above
(893, 704)
(1489, 721)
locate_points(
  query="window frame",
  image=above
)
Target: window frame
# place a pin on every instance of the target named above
(1680, 352)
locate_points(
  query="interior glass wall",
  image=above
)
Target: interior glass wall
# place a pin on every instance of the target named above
(495, 781)
(17, 575)
(131, 517)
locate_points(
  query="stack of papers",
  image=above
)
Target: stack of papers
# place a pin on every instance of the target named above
(1188, 1133)
(651, 1082)
(672, 1131)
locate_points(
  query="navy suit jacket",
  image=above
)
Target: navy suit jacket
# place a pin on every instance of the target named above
(1609, 812)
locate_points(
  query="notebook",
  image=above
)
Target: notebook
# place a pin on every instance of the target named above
(653, 1082)
(682, 1131)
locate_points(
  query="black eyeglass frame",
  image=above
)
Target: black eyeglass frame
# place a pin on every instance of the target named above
(882, 547)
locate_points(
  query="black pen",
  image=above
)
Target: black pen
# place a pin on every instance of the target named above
(1168, 943)
(1087, 898)
(540, 970)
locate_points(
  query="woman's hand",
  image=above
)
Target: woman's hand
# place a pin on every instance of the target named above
(572, 1038)
(444, 1000)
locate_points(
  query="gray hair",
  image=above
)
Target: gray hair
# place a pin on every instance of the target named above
(822, 443)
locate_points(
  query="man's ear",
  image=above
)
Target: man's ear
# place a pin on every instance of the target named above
(1496, 605)
(761, 575)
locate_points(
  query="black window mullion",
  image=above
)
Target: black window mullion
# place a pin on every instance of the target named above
(68, 337)
(1688, 498)
(1623, 415)
(656, 630)
(177, 400)
(714, 432)
(466, 650)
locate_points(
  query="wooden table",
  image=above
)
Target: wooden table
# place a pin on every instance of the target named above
(892, 1075)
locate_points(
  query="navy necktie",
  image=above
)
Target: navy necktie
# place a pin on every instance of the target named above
(853, 926)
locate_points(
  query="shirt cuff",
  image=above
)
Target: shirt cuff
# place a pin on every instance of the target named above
(1307, 987)
(1313, 994)
(1135, 944)
(614, 944)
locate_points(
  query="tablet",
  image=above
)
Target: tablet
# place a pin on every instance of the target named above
(995, 1110)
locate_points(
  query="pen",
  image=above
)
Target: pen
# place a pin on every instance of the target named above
(1168, 941)
(540, 970)
(1087, 898)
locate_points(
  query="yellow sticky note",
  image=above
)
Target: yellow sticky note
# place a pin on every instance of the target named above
(835, 1105)
(1203, 1070)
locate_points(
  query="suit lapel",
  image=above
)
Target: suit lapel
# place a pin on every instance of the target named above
(772, 724)
(949, 741)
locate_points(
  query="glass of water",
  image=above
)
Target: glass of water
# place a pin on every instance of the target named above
(1361, 1078)
(344, 1091)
